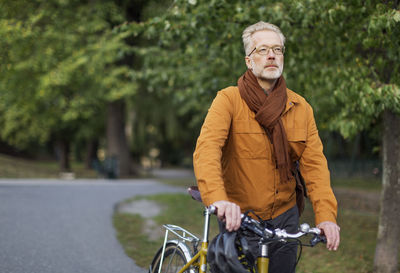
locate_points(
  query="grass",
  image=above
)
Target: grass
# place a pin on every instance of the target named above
(135, 242)
(356, 251)
(14, 167)
(179, 209)
(355, 255)
(370, 184)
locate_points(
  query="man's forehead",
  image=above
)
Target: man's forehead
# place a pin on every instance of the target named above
(266, 37)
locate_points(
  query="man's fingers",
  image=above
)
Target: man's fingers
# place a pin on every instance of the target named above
(230, 212)
(235, 217)
(228, 217)
(337, 239)
(232, 215)
(238, 219)
(331, 231)
(331, 239)
(221, 213)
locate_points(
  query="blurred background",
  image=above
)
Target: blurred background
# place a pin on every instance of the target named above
(115, 88)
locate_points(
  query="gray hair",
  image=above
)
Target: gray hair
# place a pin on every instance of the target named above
(249, 31)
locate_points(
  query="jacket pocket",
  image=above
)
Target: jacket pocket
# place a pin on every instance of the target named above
(297, 141)
(250, 140)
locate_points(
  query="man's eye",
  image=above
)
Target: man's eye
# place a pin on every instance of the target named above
(278, 49)
(262, 50)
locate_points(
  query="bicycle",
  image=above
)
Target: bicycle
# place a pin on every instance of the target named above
(177, 256)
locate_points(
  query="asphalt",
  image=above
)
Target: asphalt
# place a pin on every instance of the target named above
(56, 226)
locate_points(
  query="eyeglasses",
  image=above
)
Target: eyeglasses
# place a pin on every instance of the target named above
(263, 50)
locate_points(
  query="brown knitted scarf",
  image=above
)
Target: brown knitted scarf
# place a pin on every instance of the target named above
(268, 110)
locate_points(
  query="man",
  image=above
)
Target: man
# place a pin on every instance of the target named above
(250, 139)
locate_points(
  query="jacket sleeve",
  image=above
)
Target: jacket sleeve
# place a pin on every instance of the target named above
(314, 169)
(208, 152)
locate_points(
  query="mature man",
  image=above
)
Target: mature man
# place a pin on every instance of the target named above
(250, 139)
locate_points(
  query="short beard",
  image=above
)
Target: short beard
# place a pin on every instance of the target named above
(271, 75)
(267, 75)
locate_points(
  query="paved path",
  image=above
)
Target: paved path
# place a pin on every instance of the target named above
(55, 226)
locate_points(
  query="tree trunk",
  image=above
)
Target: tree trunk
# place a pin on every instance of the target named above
(387, 248)
(91, 153)
(62, 147)
(117, 146)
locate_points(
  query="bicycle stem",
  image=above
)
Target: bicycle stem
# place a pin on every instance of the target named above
(207, 212)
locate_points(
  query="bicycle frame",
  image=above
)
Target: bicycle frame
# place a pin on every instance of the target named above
(200, 258)
(263, 259)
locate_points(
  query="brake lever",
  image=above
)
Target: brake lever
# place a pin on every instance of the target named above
(246, 224)
(317, 239)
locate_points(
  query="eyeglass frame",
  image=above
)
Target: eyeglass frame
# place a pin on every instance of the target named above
(269, 47)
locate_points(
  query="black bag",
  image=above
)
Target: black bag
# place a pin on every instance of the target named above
(301, 191)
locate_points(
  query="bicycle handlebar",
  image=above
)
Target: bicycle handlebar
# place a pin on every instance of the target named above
(277, 234)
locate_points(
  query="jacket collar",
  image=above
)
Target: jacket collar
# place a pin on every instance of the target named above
(292, 99)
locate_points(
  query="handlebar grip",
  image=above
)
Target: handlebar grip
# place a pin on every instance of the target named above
(212, 209)
(318, 239)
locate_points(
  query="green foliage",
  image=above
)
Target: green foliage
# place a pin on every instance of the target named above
(342, 55)
(61, 61)
(353, 49)
(58, 68)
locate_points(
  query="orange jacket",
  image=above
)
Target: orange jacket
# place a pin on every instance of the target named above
(233, 159)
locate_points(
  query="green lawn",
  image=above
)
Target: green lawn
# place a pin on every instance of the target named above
(14, 167)
(358, 235)
(356, 251)
(179, 209)
(370, 184)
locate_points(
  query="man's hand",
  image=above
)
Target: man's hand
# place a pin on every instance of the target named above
(230, 213)
(331, 231)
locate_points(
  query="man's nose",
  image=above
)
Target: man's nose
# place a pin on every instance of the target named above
(271, 54)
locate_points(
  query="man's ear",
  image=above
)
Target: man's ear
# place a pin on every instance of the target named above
(248, 62)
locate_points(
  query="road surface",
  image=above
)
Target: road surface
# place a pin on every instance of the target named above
(58, 226)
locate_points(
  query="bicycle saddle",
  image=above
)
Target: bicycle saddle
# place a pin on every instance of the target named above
(195, 193)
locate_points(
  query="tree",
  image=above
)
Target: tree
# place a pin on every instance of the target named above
(59, 68)
(342, 55)
(353, 47)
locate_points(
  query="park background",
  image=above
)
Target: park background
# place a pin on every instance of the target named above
(117, 88)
